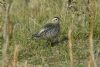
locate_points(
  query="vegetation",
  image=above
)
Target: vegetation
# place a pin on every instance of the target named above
(25, 17)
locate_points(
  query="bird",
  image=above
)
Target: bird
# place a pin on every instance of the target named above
(49, 31)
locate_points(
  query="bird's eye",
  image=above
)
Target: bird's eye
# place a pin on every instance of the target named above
(56, 19)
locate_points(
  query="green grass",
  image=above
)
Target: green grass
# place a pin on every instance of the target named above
(29, 19)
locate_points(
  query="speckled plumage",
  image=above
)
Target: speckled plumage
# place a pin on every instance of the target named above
(49, 31)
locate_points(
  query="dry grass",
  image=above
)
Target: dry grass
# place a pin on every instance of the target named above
(70, 47)
(26, 64)
(92, 18)
(15, 56)
(28, 17)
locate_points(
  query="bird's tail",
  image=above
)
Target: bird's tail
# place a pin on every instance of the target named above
(35, 36)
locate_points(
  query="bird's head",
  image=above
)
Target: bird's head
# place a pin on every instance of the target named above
(56, 20)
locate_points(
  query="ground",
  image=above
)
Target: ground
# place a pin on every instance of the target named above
(28, 19)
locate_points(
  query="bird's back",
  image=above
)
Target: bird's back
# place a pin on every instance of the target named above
(49, 31)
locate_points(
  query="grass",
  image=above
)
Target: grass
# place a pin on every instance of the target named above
(27, 19)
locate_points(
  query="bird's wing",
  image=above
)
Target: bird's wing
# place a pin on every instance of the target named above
(49, 26)
(46, 28)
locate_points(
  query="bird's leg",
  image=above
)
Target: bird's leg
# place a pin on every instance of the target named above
(48, 43)
(55, 41)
